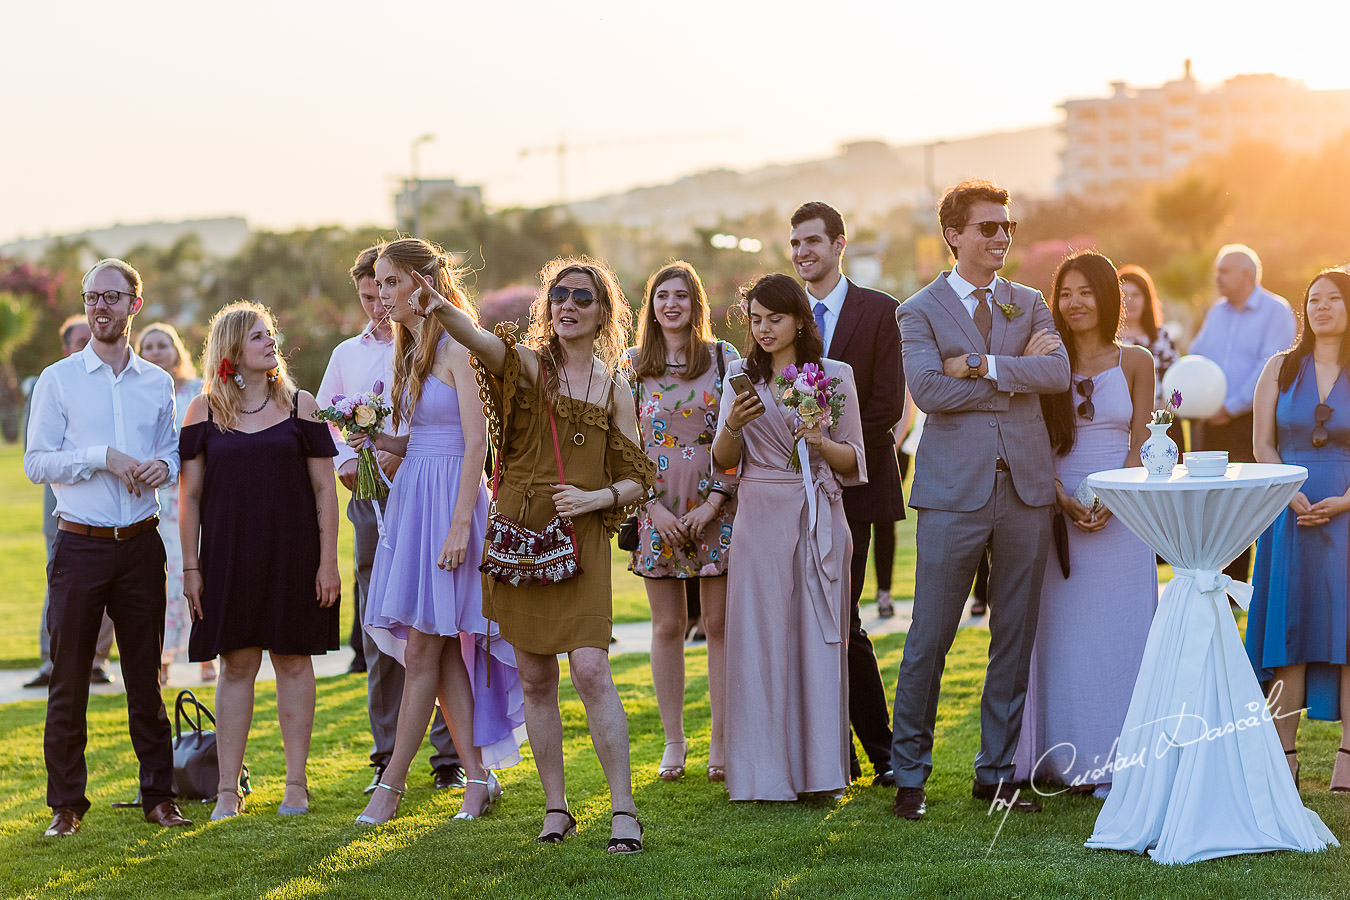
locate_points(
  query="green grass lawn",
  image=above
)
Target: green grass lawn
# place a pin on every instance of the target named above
(699, 844)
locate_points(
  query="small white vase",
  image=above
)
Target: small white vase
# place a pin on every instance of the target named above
(1159, 452)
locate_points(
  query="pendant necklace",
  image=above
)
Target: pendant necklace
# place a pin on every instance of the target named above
(578, 438)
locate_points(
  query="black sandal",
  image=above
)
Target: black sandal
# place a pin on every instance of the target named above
(1294, 753)
(557, 837)
(626, 845)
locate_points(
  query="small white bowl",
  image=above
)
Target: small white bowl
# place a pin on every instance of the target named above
(1206, 463)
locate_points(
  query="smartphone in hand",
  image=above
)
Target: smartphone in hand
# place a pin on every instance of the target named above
(741, 384)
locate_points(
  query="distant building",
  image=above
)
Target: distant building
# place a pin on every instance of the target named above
(438, 202)
(1142, 135)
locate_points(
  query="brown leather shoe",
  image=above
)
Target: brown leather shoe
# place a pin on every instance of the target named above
(167, 815)
(65, 822)
(1007, 795)
(910, 803)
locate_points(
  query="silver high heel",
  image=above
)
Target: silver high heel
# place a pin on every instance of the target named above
(364, 819)
(494, 789)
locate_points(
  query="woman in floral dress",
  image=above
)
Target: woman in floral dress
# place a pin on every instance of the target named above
(676, 371)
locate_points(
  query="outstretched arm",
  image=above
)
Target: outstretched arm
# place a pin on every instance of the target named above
(485, 345)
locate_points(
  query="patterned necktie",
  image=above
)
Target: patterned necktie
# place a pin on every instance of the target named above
(984, 319)
(819, 312)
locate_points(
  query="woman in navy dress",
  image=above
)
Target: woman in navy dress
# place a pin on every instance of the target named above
(1297, 632)
(258, 520)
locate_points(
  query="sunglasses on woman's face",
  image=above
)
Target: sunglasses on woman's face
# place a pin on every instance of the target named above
(1321, 415)
(1085, 409)
(581, 297)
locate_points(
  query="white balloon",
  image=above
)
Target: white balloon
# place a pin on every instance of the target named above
(1202, 385)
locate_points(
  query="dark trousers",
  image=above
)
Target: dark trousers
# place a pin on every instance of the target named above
(1236, 438)
(883, 555)
(867, 711)
(86, 577)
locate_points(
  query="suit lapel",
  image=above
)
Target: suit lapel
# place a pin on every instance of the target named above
(849, 316)
(948, 300)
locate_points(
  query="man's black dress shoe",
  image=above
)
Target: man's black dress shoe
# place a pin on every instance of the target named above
(910, 803)
(1007, 795)
(65, 822)
(450, 775)
(884, 779)
(100, 676)
(42, 680)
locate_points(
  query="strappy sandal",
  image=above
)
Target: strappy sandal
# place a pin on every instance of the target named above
(717, 773)
(1294, 753)
(284, 810)
(626, 846)
(364, 819)
(557, 837)
(674, 773)
(494, 792)
(216, 817)
(1341, 789)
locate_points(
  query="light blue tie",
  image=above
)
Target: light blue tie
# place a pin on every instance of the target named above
(819, 312)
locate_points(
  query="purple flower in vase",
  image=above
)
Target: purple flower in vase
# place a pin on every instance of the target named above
(1175, 402)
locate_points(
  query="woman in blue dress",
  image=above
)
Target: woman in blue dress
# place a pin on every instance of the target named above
(425, 607)
(1297, 632)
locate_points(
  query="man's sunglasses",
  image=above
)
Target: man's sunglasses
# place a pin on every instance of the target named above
(1085, 408)
(1321, 415)
(581, 297)
(989, 229)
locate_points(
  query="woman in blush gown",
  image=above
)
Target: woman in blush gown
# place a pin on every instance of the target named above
(425, 607)
(1297, 633)
(788, 584)
(1093, 624)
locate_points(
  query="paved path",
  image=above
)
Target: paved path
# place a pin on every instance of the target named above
(634, 637)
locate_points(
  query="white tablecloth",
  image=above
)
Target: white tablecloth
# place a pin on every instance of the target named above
(1199, 771)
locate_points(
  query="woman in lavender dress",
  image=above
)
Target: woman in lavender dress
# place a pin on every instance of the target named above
(425, 607)
(1093, 624)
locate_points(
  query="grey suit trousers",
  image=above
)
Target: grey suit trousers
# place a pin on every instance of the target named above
(384, 675)
(950, 546)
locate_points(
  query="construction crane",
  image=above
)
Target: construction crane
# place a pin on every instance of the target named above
(561, 149)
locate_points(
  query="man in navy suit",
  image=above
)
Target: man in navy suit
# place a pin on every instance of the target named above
(858, 327)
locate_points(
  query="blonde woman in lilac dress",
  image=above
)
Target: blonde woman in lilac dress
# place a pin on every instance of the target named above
(677, 371)
(160, 344)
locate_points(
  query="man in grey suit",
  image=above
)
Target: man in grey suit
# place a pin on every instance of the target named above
(977, 351)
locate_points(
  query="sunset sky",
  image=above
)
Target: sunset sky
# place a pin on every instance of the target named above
(302, 113)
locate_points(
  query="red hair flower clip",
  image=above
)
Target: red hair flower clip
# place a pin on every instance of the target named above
(226, 370)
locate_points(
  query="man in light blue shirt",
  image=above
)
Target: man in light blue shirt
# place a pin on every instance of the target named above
(1245, 328)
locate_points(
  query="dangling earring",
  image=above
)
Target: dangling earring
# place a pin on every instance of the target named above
(271, 376)
(227, 370)
(239, 380)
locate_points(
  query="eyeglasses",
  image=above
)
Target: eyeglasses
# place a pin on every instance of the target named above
(1321, 415)
(989, 229)
(1085, 409)
(582, 297)
(109, 298)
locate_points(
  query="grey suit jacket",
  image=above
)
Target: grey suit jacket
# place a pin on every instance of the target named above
(954, 467)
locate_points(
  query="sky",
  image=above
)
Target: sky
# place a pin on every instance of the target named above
(296, 114)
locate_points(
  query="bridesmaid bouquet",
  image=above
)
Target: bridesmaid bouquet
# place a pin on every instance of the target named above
(813, 396)
(363, 413)
(1167, 415)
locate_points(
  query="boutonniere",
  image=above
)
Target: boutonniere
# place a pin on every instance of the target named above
(1010, 310)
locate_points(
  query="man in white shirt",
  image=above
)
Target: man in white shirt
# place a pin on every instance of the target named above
(354, 367)
(102, 434)
(75, 335)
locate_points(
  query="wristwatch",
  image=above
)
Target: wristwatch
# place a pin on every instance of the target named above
(974, 361)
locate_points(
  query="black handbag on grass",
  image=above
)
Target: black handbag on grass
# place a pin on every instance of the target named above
(196, 769)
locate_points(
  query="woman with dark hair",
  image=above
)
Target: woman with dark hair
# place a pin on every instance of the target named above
(1142, 324)
(1094, 621)
(788, 590)
(677, 370)
(258, 522)
(558, 391)
(1296, 627)
(425, 607)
